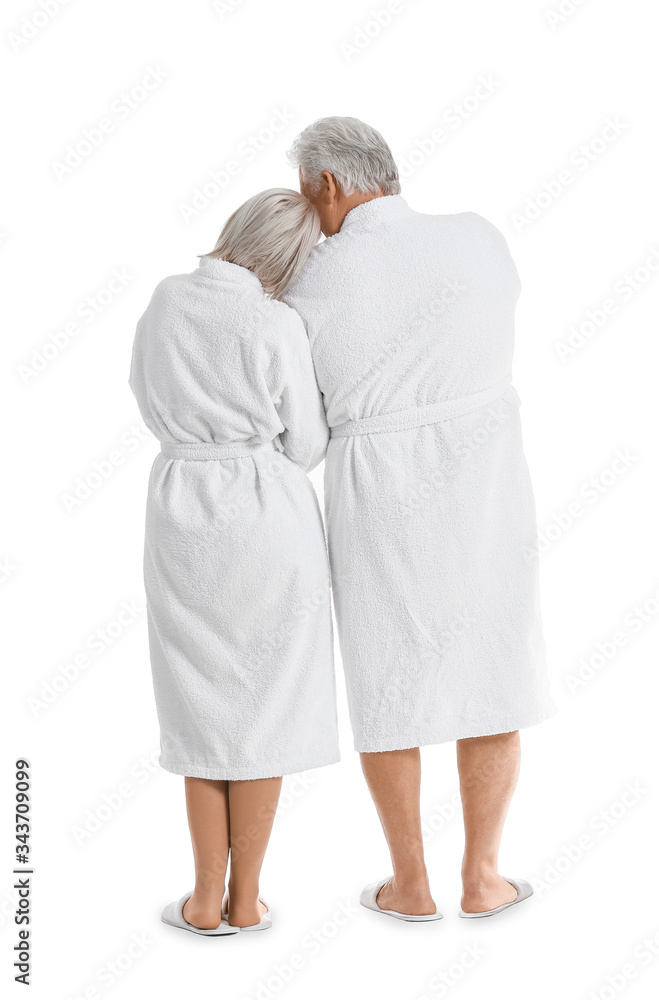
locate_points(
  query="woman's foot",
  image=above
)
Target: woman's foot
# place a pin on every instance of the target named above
(407, 897)
(203, 913)
(486, 893)
(244, 913)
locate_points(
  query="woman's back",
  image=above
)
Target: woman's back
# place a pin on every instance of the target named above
(235, 550)
(213, 356)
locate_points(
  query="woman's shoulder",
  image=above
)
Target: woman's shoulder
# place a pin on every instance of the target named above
(171, 288)
(281, 321)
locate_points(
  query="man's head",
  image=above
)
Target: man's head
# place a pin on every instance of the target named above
(342, 163)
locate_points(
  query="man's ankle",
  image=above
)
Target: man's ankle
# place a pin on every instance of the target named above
(411, 878)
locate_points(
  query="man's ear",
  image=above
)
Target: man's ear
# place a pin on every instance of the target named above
(329, 189)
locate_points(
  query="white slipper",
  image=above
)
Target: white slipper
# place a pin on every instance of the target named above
(173, 914)
(369, 897)
(524, 890)
(263, 924)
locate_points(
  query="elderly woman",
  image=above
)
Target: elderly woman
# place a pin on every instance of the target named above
(235, 564)
(430, 513)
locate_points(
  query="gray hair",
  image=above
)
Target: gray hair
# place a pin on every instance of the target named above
(354, 153)
(272, 234)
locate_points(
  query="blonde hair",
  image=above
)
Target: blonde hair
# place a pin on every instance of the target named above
(272, 234)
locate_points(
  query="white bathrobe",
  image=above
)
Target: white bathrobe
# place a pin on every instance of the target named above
(430, 512)
(235, 565)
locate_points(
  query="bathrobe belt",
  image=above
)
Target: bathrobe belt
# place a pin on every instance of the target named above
(402, 420)
(205, 451)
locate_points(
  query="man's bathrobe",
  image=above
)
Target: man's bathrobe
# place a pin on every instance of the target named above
(430, 513)
(235, 564)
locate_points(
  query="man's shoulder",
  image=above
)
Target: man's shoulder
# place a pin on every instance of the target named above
(480, 224)
(325, 264)
(332, 252)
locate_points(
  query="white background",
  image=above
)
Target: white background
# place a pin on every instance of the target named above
(69, 568)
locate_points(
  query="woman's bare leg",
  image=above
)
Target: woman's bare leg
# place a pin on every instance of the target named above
(488, 768)
(208, 818)
(252, 806)
(394, 780)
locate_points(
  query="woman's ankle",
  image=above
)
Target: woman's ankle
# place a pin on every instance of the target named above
(209, 894)
(245, 907)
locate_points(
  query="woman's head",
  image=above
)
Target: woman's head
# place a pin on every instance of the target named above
(272, 234)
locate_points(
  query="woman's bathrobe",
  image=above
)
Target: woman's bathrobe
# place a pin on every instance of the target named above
(430, 513)
(235, 564)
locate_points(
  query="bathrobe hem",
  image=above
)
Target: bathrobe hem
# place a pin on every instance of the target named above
(246, 773)
(458, 729)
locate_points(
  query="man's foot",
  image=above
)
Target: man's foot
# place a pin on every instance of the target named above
(411, 897)
(486, 894)
(205, 915)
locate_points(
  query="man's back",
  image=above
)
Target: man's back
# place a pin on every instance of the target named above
(406, 310)
(430, 513)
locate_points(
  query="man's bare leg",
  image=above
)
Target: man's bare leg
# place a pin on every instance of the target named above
(488, 767)
(394, 780)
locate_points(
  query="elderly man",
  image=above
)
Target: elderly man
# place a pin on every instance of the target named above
(430, 512)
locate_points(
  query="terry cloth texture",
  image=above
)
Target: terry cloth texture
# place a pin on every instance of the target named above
(235, 563)
(430, 512)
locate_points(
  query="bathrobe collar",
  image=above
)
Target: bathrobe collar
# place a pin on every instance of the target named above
(388, 206)
(212, 267)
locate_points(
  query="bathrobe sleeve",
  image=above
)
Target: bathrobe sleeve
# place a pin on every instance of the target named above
(296, 394)
(499, 245)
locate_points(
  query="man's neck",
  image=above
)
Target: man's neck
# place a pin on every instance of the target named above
(358, 198)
